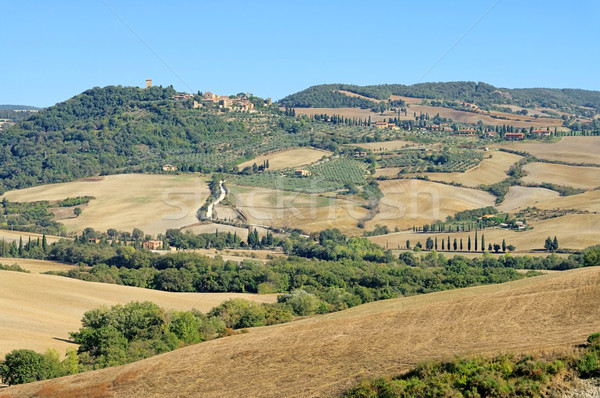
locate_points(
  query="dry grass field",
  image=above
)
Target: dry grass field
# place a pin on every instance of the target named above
(308, 212)
(568, 149)
(572, 176)
(14, 236)
(290, 158)
(153, 203)
(39, 311)
(522, 197)
(417, 202)
(347, 112)
(587, 201)
(573, 231)
(37, 266)
(472, 117)
(384, 146)
(323, 356)
(491, 170)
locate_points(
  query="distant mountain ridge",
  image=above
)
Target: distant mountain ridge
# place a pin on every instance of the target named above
(482, 94)
(19, 108)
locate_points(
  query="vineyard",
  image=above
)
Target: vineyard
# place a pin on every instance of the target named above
(326, 176)
(441, 162)
(346, 171)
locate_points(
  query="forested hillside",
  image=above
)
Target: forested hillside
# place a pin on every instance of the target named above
(481, 94)
(117, 129)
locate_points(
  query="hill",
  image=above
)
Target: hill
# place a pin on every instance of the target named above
(118, 129)
(18, 108)
(481, 94)
(325, 355)
(39, 311)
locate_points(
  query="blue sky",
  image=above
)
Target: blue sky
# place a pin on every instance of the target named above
(52, 50)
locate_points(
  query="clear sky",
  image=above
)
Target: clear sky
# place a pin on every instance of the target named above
(52, 50)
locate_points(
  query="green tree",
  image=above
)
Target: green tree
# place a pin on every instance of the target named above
(77, 211)
(25, 366)
(504, 245)
(429, 243)
(482, 242)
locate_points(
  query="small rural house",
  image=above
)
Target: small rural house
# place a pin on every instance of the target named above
(152, 244)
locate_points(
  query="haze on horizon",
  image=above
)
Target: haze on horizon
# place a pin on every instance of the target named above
(56, 50)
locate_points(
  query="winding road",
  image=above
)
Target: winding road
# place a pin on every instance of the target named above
(209, 211)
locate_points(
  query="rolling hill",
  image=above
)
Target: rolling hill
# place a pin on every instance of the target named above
(325, 355)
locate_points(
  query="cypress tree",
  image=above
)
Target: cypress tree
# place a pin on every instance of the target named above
(482, 242)
(469, 243)
(475, 239)
(20, 250)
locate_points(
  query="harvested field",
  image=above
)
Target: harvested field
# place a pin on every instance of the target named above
(522, 197)
(573, 231)
(572, 176)
(211, 228)
(152, 203)
(37, 266)
(290, 158)
(491, 170)
(384, 146)
(323, 356)
(308, 212)
(417, 202)
(39, 311)
(473, 117)
(390, 172)
(587, 201)
(568, 149)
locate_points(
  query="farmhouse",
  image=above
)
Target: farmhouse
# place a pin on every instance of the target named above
(152, 244)
(381, 125)
(302, 172)
(169, 167)
(513, 136)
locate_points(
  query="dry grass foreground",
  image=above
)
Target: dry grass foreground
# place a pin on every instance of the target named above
(153, 203)
(573, 231)
(416, 202)
(572, 176)
(491, 170)
(324, 355)
(290, 158)
(39, 311)
(568, 149)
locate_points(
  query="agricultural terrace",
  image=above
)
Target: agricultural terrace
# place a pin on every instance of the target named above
(39, 311)
(573, 231)
(577, 149)
(407, 203)
(293, 210)
(571, 176)
(287, 159)
(152, 203)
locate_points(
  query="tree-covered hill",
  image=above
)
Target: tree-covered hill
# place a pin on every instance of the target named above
(482, 94)
(124, 129)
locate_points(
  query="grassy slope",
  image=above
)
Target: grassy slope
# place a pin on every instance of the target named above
(39, 311)
(323, 356)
